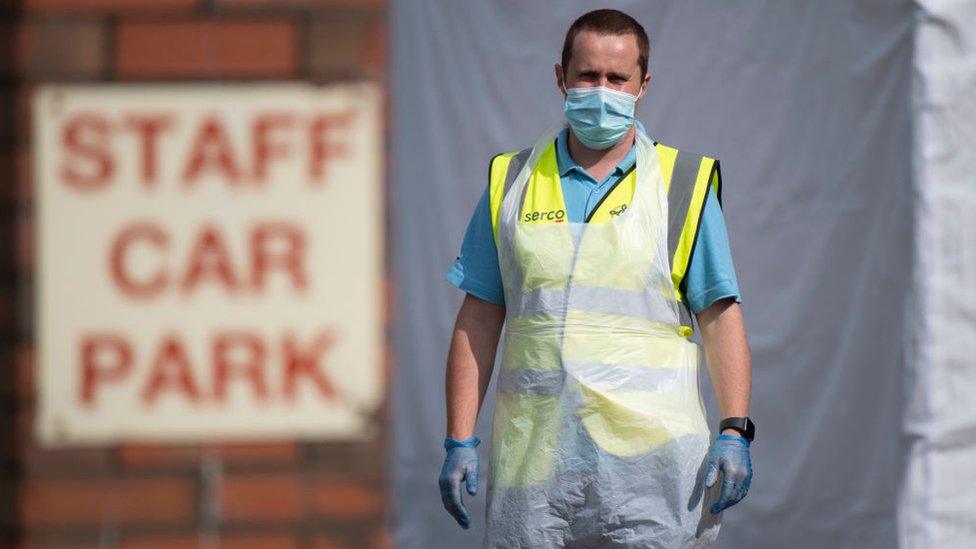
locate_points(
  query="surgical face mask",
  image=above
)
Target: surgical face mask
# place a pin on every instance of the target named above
(599, 116)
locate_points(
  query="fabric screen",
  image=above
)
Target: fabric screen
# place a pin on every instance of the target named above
(807, 105)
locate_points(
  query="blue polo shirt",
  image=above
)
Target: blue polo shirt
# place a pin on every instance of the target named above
(710, 276)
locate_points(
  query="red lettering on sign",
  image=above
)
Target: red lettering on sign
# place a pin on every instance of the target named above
(85, 138)
(266, 148)
(149, 233)
(92, 161)
(211, 151)
(209, 259)
(95, 371)
(148, 128)
(324, 146)
(304, 364)
(274, 246)
(236, 356)
(290, 260)
(251, 368)
(170, 371)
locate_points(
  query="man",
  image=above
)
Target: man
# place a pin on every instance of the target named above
(591, 248)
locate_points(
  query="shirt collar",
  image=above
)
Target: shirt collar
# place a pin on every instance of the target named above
(566, 164)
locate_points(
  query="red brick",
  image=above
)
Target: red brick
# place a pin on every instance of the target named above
(8, 460)
(49, 6)
(9, 385)
(134, 456)
(22, 97)
(175, 542)
(62, 49)
(227, 542)
(14, 176)
(8, 30)
(382, 539)
(336, 497)
(61, 502)
(41, 462)
(375, 47)
(8, 169)
(264, 4)
(340, 540)
(258, 542)
(262, 497)
(205, 49)
(25, 242)
(24, 173)
(273, 452)
(8, 298)
(9, 118)
(45, 464)
(26, 371)
(345, 45)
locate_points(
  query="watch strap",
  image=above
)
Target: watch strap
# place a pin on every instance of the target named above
(742, 424)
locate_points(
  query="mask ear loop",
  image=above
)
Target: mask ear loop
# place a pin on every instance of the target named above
(564, 89)
(641, 94)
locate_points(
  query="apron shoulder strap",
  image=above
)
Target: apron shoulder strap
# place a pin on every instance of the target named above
(502, 171)
(688, 177)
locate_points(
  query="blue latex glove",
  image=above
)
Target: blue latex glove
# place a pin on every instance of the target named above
(730, 453)
(460, 465)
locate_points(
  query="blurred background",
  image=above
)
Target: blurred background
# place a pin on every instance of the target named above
(143, 88)
(227, 223)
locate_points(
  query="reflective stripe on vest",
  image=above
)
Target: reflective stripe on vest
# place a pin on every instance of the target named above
(686, 175)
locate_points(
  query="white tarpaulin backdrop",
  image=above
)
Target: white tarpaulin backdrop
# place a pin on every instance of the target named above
(809, 107)
(938, 505)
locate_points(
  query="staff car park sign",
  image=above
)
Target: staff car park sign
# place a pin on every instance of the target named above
(209, 262)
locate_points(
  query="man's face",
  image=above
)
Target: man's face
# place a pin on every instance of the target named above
(609, 60)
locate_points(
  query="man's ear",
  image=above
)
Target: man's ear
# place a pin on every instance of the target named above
(560, 79)
(646, 84)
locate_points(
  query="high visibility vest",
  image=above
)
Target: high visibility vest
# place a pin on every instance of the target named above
(687, 177)
(599, 431)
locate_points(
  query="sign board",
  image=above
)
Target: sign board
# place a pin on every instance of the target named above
(209, 262)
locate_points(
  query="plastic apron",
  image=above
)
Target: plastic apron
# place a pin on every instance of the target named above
(599, 437)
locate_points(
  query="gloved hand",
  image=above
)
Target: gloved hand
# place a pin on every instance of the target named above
(730, 453)
(460, 465)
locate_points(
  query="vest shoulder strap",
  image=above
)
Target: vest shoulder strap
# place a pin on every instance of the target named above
(691, 175)
(502, 171)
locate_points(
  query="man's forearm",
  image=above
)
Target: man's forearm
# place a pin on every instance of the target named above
(470, 362)
(727, 356)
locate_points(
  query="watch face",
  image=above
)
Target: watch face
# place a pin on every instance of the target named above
(744, 425)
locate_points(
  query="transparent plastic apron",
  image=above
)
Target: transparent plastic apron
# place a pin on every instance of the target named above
(599, 435)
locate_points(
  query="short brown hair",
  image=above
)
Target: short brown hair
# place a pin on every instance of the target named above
(604, 22)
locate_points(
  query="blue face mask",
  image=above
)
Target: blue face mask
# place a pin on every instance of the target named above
(599, 116)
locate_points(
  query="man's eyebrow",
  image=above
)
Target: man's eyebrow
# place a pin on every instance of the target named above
(587, 71)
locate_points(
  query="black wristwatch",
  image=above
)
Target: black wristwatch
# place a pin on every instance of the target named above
(744, 425)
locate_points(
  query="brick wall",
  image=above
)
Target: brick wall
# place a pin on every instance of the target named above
(258, 495)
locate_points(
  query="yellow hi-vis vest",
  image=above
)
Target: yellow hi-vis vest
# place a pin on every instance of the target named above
(686, 176)
(599, 432)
